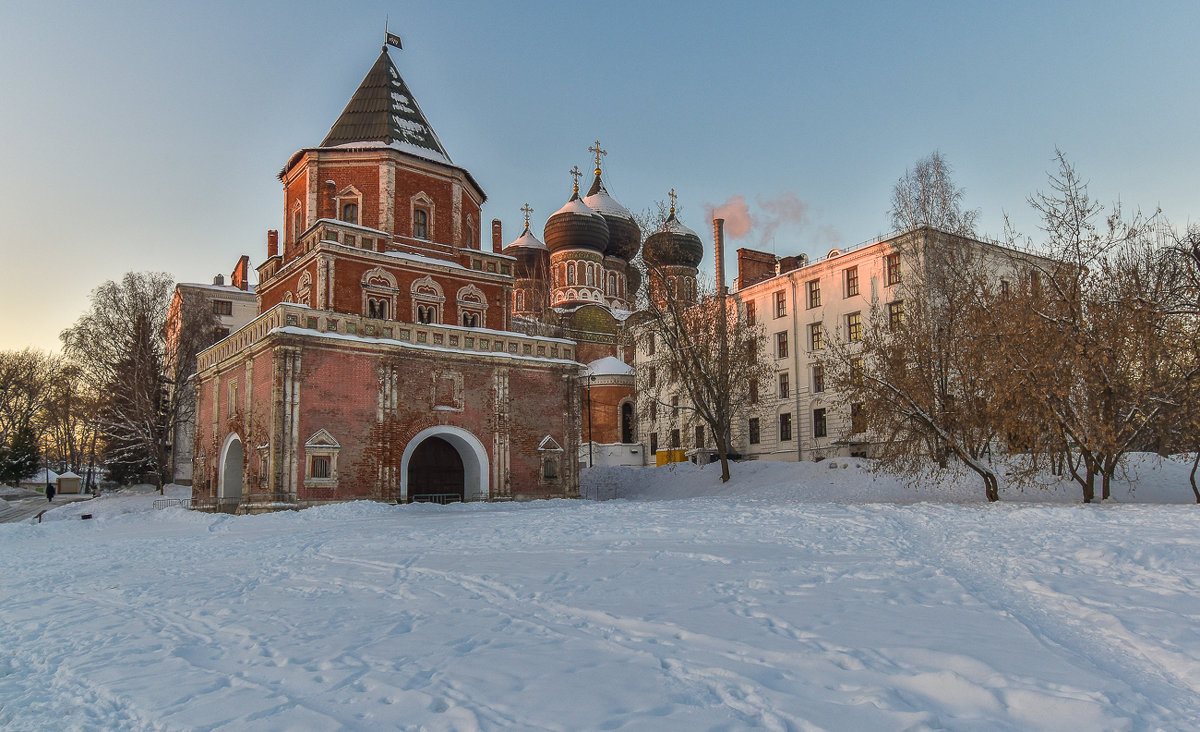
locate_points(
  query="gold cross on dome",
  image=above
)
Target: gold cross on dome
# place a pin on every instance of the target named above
(528, 210)
(575, 174)
(598, 151)
(672, 196)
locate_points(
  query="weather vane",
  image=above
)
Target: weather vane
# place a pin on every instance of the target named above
(390, 39)
(596, 149)
(575, 174)
(528, 210)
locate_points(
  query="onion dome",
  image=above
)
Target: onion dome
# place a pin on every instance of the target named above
(673, 245)
(624, 236)
(533, 259)
(633, 281)
(575, 226)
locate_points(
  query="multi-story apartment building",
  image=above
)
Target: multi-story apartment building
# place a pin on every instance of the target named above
(808, 310)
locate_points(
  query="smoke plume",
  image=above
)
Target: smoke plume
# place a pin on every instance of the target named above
(736, 214)
(786, 208)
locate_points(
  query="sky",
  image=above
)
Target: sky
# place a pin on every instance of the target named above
(148, 136)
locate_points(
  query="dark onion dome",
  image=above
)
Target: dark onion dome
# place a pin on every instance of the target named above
(575, 226)
(533, 259)
(633, 280)
(624, 236)
(673, 245)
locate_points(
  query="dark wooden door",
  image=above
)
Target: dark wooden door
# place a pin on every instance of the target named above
(435, 472)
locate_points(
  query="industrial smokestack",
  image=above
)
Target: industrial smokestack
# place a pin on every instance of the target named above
(497, 236)
(719, 239)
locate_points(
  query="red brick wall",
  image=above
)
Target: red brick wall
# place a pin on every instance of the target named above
(604, 405)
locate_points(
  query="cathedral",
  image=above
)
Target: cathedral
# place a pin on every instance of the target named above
(394, 358)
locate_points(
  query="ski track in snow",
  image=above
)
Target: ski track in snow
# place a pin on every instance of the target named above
(749, 610)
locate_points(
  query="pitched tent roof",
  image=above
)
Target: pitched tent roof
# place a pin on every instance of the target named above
(384, 110)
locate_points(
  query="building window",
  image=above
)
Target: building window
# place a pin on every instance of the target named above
(590, 272)
(858, 419)
(652, 377)
(699, 435)
(818, 378)
(222, 307)
(470, 320)
(377, 308)
(318, 467)
(653, 443)
(420, 224)
(612, 284)
(781, 350)
(784, 386)
(654, 411)
(1004, 288)
(297, 224)
(816, 337)
(896, 314)
(675, 408)
(219, 332)
(651, 344)
(785, 427)
(892, 266)
(780, 304)
(854, 327)
(851, 281)
(856, 372)
(570, 273)
(814, 293)
(426, 314)
(754, 431)
(550, 468)
(751, 314)
(820, 425)
(350, 212)
(754, 391)
(675, 439)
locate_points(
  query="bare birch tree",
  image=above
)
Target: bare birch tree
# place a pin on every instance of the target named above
(926, 196)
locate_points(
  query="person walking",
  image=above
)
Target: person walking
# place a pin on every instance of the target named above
(49, 491)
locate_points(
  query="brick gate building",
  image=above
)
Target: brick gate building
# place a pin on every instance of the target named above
(383, 363)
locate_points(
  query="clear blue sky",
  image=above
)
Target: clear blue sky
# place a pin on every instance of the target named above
(148, 135)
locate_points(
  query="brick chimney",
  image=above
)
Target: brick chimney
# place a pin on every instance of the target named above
(273, 243)
(241, 274)
(753, 266)
(497, 236)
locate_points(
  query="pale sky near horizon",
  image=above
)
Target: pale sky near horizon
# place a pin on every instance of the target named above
(147, 136)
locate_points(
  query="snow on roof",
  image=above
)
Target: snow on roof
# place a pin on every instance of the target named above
(609, 366)
(575, 206)
(222, 288)
(423, 259)
(350, 225)
(673, 225)
(402, 146)
(70, 474)
(527, 240)
(603, 203)
(296, 330)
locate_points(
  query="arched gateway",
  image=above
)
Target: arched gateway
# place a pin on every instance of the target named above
(229, 486)
(444, 461)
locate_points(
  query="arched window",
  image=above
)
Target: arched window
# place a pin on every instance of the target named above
(591, 277)
(470, 320)
(425, 314)
(627, 422)
(570, 273)
(420, 223)
(612, 283)
(520, 299)
(350, 212)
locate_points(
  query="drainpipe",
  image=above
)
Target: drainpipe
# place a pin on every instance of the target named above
(797, 340)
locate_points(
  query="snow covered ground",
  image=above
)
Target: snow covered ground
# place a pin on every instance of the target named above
(797, 597)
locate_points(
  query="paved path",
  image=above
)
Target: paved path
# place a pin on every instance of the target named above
(23, 509)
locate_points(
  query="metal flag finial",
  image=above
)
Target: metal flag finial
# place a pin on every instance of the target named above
(390, 39)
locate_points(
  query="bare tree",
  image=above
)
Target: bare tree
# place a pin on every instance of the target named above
(922, 370)
(1090, 355)
(122, 343)
(926, 196)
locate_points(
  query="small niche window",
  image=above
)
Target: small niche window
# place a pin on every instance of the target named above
(754, 431)
(320, 468)
(420, 224)
(222, 307)
(350, 212)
